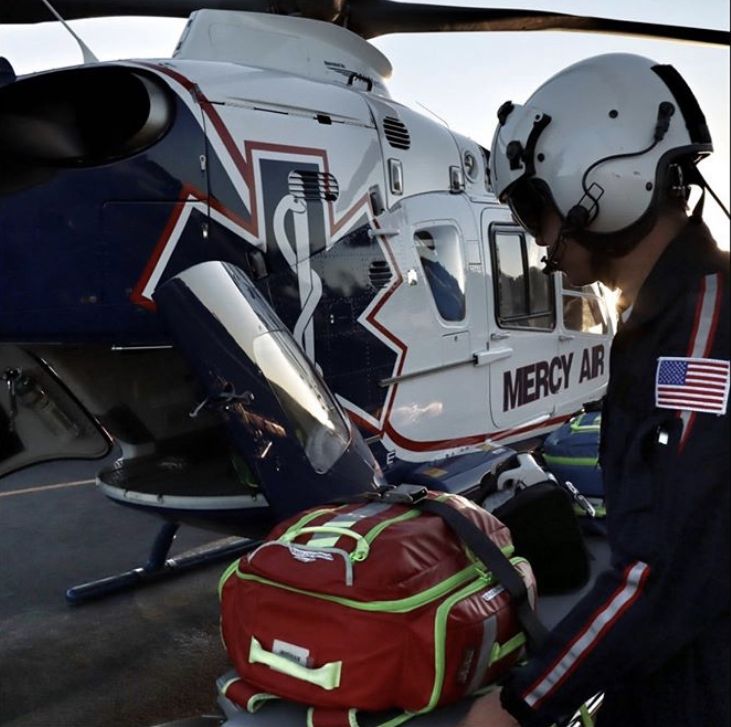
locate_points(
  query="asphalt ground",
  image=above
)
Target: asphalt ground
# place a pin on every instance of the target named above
(135, 658)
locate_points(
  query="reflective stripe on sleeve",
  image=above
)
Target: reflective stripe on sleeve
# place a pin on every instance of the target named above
(707, 313)
(589, 637)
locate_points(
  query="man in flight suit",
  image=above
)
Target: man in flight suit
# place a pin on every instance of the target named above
(596, 166)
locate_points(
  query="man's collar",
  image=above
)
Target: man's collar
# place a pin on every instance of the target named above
(687, 255)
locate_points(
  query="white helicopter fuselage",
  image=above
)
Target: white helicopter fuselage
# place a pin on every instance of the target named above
(495, 368)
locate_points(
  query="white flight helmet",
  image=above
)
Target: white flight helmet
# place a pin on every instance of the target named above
(596, 141)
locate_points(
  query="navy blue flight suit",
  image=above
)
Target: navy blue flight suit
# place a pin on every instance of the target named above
(653, 632)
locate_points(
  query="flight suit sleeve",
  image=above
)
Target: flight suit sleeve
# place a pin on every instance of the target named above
(669, 576)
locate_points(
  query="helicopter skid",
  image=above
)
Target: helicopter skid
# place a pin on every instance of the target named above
(158, 566)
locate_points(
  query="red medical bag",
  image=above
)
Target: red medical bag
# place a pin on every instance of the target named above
(369, 606)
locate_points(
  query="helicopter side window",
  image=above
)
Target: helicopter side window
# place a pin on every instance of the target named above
(440, 252)
(523, 294)
(583, 309)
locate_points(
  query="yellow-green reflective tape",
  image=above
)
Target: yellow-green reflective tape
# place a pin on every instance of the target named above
(500, 650)
(396, 606)
(347, 520)
(571, 461)
(440, 634)
(373, 533)
(577, 426)
(233, 567)
(228, 684)
(326, 676)
(306, 519)
(257, 700)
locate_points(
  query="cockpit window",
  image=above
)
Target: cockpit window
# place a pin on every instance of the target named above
(440, 251)
(584, 309)
(523, 293)
(318, 421)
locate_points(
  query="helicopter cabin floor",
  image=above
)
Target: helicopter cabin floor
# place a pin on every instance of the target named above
(133, 659)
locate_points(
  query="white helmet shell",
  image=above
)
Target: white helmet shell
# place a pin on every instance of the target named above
(597, 136)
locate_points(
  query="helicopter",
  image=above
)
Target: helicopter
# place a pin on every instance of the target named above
(268, 283)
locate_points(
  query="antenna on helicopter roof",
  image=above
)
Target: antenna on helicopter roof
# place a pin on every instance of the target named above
(436, 116)
(86, 52)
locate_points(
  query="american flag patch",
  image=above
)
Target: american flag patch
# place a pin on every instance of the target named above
(692, 384)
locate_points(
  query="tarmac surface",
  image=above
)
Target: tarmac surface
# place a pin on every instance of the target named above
(136, 658)
(133, 659)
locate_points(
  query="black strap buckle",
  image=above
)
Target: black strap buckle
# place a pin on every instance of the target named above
(403, 494)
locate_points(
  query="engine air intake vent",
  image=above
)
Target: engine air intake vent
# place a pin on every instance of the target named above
(396, 133)
(379, 274)
(312, 186)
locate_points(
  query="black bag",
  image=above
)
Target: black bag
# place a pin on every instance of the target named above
(546, 532)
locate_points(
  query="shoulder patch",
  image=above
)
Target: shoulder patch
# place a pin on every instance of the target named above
(692, 384)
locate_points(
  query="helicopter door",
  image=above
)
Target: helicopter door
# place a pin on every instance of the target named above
(40, 421)
(528, 373)
(440, 316)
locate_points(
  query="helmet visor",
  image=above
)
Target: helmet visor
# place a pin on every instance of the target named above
(527, 202)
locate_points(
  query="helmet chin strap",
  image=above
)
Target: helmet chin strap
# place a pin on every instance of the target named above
(555, 254)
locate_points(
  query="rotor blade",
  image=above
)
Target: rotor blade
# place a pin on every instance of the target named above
(370, 18)
(34, 11)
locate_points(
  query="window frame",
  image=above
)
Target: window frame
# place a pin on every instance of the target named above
(580, 292)
(429, 226)
(511, 322)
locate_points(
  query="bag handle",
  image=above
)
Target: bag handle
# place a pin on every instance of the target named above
(362, 548)
(326, 676)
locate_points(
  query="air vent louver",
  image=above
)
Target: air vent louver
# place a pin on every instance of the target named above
(311, 186)
(396, 133)
(379, 273)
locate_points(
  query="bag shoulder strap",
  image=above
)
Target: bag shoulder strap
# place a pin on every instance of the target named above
(495, 561)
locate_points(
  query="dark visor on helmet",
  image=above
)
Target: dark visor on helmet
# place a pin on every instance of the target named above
(527, 203)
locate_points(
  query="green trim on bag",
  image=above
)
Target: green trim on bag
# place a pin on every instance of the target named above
(228, 684)
(374, 532)
(305, 519)
(506, 550)
(440, 635)
(222, 580)
(571, 461)
(577, 426)
(257, 700)
(401, 605)
(326, 676)
(499, 651)
(362, 547)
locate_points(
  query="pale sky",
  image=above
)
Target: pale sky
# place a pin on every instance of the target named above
(460, 77)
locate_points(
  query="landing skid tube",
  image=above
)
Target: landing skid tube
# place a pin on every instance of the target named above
(158, 566)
